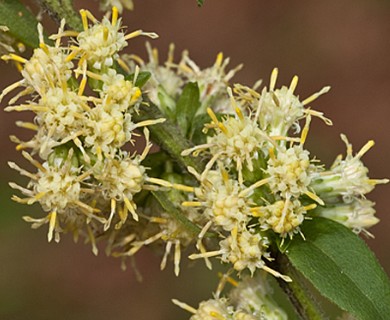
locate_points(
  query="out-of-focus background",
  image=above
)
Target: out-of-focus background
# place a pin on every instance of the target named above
(344, 44)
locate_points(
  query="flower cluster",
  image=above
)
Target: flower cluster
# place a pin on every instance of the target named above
(85, 178)
(234, 178)
(250, 299)
(260, 180)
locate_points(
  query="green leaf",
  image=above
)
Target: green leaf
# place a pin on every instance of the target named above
(142, 78)
(175, 212)
(341, 266)
(187, 105)
(200, 2)
(167, 136)
(22, 23)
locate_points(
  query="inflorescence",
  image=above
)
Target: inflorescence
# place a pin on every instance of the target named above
(259, 182)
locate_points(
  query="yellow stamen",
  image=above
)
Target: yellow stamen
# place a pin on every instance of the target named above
(52, 224)
(310, 206)
(131, 207)
(27, 125)
(212, 116)
(114, 18)
(257, 184)
(35, 163)
(314, 197)
(365, 148)
(222, 127)
(170, 53)
(274, 76)
(271, 152)
(184, 306)
(105, 33)
(305, 130)
(149, 122)
(293, 84)
(93, 240)
(191, 204)
(219, 60)
(44, 47)
(158, 220)
(83, 84)
(182, 187)
(315, 95)
(217, 315)
(14, 57)
(123, 65)
(84, 19)
(72, 55)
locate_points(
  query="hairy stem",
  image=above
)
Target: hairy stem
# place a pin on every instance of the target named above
(297, 292)
(62, 9)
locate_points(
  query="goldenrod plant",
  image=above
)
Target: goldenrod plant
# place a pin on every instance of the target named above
(231, 180)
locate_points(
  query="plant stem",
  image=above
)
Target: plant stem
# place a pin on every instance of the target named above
(169, 137)
(297, 292)
(62, 9)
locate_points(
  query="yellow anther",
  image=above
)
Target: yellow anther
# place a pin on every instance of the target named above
(239, 113)
(123, 65)
(52, 224)
(305, 130)
(293, 84)
(13, 57)
(274, 76)
(182, 187)
(105, 33)
(114, 18)
(171, 51)
(365, 148)
(83, 14)
(271, 152)
(191, 204)
(212, 116)
(44, 47)
(222, 127)
(219, 60)
(83, 83)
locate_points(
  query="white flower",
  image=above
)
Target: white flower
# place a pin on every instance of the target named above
(280, 109)
(238, 140)
(108, 129)
(357, 215)
(224, 201)
(100, 43)
(289, 171)
(254, 295)
(57, 187)
(347, 177)
(47, 68)
(282, 216)
(212, 309)
(120, 179)
(244, 249)
(117, 90)
(213, 81)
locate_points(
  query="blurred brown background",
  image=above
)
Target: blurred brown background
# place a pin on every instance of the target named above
(344, 44)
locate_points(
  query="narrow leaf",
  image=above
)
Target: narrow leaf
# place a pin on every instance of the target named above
(142, 78)
(21, 23)
(175, 212)
(341, 266)
(187, 105)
